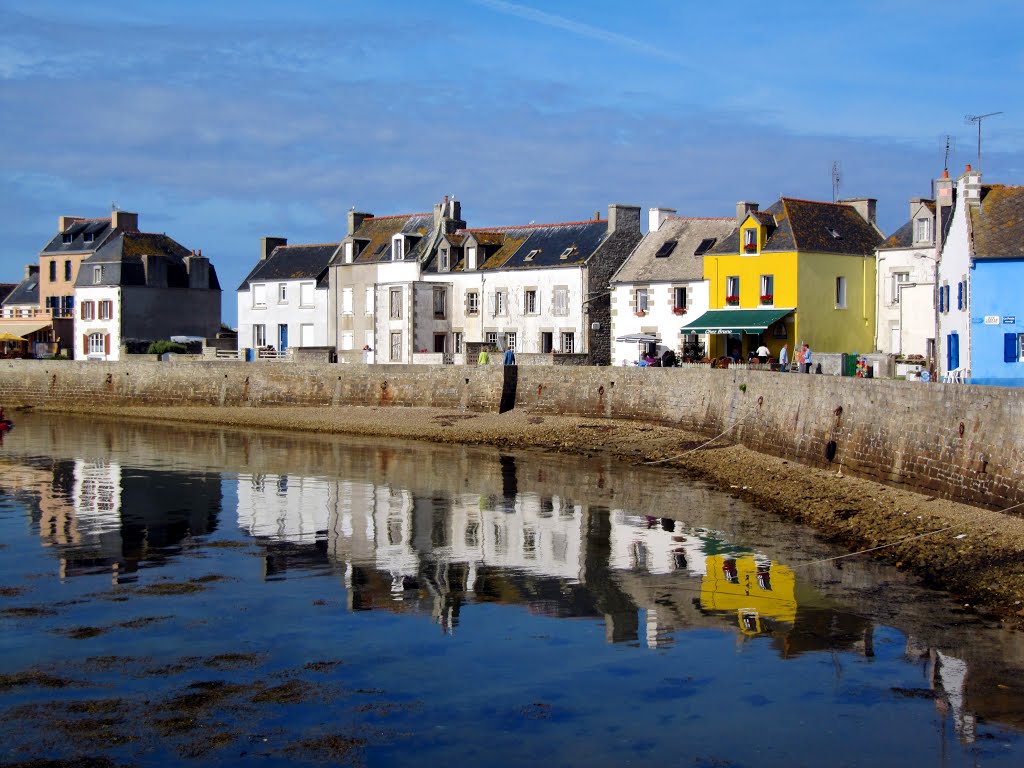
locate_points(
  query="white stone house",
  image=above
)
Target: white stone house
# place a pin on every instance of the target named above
(953, 295)
(142, 287)
(905, 291)
(284, 301)
(661, 286)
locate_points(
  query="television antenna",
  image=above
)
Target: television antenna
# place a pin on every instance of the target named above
(950, 148)
(837, 175)
(977, 119)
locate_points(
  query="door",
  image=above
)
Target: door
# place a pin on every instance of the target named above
(952, 352)
(282, 338)
(546, 341)
(439, 342)
(894, 341)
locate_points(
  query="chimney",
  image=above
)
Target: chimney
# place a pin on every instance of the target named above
(198, 268)
(63, 222)
(865, 206)
(743, 209)
(31, 269)
(623, 218)
(155, 267)
(971, 183)
(943, 195)
(124, 221)
(656, 217)
(268, 244)
(355, 219)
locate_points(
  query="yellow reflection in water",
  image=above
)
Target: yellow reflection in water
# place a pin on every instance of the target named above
(753, 587)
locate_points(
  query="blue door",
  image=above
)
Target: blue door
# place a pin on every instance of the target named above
(282, 338)
(952, 352)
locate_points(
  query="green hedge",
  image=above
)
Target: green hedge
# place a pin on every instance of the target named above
(159, 347)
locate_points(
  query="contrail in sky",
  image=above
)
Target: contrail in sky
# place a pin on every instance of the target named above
(579, 28)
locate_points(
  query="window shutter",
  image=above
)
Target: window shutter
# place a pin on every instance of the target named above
(106, 343)
(85, 344)
(1009, 347)
(492, 305)
(960, 295)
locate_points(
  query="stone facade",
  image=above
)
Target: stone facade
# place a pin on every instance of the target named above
(970, 449)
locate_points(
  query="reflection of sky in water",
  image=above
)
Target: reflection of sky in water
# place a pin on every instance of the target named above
(356, 565)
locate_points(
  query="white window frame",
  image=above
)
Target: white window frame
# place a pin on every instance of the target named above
(897, 277)
(923, 230)
(732, 286)
(347, 340)
(457, 342)
(472, 302)
(259, 295)
(398, 248)
(568, 342)
(840, 292)
(346, 301)
(307, 294)
(767, 289)
(88, 310)
(443, 260)
(97, 275)
(530, 302)
(396, 346)
(510, 340)
(680, 297)
(349, 251)
(471, 257)
(642, 299)
(560, 305)
(97, 344)
(395, 303)
(259, 335)
(369, 300)
(282, 293)
(500, 302)
(106, 309)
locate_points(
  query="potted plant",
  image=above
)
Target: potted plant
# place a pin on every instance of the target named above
(767, 298)
(678, 310)
(748, 247)
(641, 313)
(732, 300)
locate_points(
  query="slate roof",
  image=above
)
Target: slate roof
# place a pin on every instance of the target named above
(294, 262)
(26, 292)
(5, 290)
(997, 225)
(901, 238)
(374, 235)
(532, 246)
(99, 229)
(683, 262)
(122, 259)
(809, 225)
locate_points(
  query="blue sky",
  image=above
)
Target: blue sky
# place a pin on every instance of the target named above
(221, 122)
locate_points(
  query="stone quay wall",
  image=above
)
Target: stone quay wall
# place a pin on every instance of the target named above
(958, 441)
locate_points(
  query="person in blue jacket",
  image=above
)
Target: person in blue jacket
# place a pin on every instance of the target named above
(510, 357)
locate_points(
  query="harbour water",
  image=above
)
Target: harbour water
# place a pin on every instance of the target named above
(176, 595)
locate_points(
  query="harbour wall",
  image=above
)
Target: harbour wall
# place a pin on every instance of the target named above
(957, 441)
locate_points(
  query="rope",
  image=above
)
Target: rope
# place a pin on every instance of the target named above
(702, 445)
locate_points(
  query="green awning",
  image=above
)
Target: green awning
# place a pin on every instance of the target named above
(735, 320)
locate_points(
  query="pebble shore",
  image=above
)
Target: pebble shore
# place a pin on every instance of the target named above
(975, 554)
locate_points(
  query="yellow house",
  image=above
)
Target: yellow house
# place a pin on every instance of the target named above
(760, 594)
(799, 272)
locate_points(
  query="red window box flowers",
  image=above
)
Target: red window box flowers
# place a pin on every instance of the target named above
(768, 299)
(641, 313)
(678, 310)
(749, 247)
(732, 300)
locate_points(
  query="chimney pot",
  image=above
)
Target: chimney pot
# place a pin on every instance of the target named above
(967, 168)
(945, 173)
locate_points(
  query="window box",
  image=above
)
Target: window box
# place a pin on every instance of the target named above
(732, 300)
(641, 313)
(749, 247)
(768, 299)
(678, 310)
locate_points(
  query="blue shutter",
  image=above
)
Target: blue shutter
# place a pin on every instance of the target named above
(1010, 348)
(960, 295)
(942, 306)
(948, 305)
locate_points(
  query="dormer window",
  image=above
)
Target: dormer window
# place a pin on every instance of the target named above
(471, 257)
(88, 237)
(923, 230)
(97, 275)
(380, 249)
(66, 238)
(749, 240)
(398, 248)
(532, 254)
(350, 248)
(666, 248)
(569, 252)
(443, 259)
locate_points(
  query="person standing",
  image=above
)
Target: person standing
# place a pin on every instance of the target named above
(805, 365)
(510, 357)
(483, 358)
(762, 354)
(783, 358)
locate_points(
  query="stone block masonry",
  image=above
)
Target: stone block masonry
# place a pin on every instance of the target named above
(957, 441)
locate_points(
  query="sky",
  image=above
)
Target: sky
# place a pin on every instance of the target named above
(223, 122)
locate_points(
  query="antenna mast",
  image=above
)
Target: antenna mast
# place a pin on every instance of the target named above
(837, 175)
(950, 146)
(977, 119)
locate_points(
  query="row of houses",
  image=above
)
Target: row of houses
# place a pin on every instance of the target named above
(428, 288)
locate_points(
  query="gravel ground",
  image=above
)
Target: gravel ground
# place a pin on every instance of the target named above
(976, 554)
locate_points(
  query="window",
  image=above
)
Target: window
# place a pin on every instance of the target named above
(307, 291)
(97, 344)
(457, 342)
(500, 302)
(369, 299)
(380, 249)
(440, 303)
(767, 289)
(66, 238)
(395, 303)
(396, 346)
(282, 337)
(471, 257)
(561, 301)
(106, 309)
(705, 245)
(347, 340)
(532, 254)
(510, 340)
(398, 248)
(349, 252)
(472, 302)
(53, 271)
(443, 262)
(259, 335)
(840, 292)
(750, 239)
(666, 248)
(1013, 345)
(282, 293)
(568, 342)
(679, 299)
(88, 310)
(640, 299)
(346, 301)
(732, 290)
(67, 269)
(259, 295)
(569, 252)
(368, 340)
(546, 342)
(88, 237)
(306, 338)
(530, 301)
(923, 230)
(97, 275)
(897, 279)
(491, 338)
(960, 295)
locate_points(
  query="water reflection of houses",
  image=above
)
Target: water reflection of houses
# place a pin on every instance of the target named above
(99, 517)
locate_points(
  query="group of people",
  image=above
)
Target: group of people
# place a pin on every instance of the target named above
(649, 360)
(762, 354)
